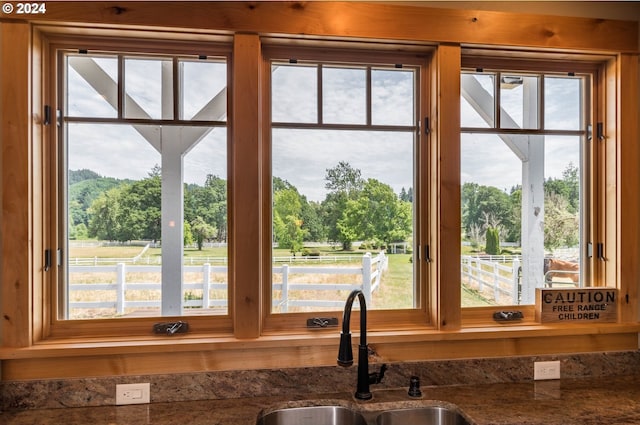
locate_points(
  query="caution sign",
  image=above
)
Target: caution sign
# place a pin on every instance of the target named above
(576, 305)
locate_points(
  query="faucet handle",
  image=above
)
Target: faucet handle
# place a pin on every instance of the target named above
(376, 377)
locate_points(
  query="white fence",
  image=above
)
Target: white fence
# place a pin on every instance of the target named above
(487, 274)
(149, 260)
(370, 272)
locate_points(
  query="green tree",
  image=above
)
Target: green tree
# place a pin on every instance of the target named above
(344, 178)
(311, 215)
(406, 195)
(333, 208)
(210, 203)
(104, 215)
(201, 231)
(187, 238)
(140, 209)
(562, 208)
(344, 183)
(287, 212)
(377, 214)
(81, 232)
(479, 202)
(492, 241)
(84, 187)
(567, 187)
(129, 211)
(561, 226)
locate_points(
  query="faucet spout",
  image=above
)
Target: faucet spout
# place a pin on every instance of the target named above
(345, 353)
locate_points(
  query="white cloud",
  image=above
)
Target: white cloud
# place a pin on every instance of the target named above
(302, 157)
(110, 150)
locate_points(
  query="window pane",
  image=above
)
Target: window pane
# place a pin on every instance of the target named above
(148, 88)
(478, 100)
(393, 97)
(519, 101)
(205, 221)
(562, 103)
(203, 91)
(146, 205)
(92, 88)
(509, 237)
(343, 199)
(294, 93)
(113, 221)
(117, 242)
(342, 218)
(344, 96)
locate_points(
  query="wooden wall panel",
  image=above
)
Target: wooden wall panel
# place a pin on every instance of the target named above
(15, 126)
(628, 182)
(446, 170)
(359, 19)
(245, 186)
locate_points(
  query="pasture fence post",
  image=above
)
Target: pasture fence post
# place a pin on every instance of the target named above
(285, 288)
(206, 272)
(478, 275)
(515, 294)
(366, 276)
(120, 289)
(496, 281)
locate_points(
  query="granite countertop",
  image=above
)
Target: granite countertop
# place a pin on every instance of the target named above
(608, 400)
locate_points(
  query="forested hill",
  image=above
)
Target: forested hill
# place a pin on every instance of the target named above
(84, 187)
(76, 176)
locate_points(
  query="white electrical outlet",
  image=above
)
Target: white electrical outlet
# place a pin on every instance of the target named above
(133, 393)
(546, 370)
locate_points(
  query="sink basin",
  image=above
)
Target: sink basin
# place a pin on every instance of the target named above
(431, 415)
(313, 415)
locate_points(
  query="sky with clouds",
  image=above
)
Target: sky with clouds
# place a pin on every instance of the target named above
(302, 156)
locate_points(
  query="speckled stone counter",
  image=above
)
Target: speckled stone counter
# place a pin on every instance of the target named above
(602, 400)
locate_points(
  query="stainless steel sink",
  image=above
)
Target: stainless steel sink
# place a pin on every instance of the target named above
(313, 415)
(431, 415)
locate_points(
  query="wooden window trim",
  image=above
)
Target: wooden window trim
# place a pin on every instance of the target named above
(549, 62)
(608, 219)
(346, 53)
(51, 327)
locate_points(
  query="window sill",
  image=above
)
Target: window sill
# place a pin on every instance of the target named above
(63, 359)
(322, 338)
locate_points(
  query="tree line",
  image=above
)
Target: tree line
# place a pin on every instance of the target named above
(354, 208)
(488, 212)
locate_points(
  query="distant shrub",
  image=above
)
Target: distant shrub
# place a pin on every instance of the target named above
(493, 241)
(310, 253)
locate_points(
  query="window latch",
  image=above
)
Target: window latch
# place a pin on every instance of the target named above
(47, 260)
(427, 254)
(322, 322)
(600, 131)
(170, 328)
(600, 251)
(46, 120)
